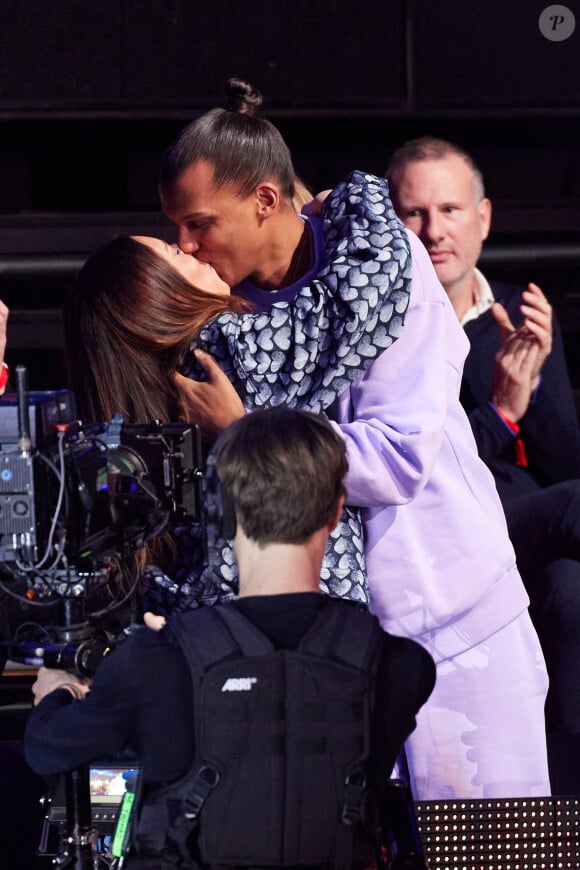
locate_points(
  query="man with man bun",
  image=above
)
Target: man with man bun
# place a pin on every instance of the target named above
(441, 568)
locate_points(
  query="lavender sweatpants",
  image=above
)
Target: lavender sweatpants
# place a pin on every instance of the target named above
(481, 734)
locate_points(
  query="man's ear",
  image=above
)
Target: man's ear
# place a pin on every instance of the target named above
(484, 209)
(268, 199)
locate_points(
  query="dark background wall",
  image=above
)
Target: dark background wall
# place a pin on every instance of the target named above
(91, 93)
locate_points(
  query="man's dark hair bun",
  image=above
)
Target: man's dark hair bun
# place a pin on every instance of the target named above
(242, 97)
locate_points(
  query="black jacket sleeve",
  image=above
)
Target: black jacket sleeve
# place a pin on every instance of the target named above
(549, 429)
(122, 711)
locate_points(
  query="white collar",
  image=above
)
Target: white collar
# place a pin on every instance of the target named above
(484, 298)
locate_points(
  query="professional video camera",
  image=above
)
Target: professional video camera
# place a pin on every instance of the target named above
(77, 501)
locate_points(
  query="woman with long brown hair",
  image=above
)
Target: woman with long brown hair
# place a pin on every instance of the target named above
(137, 304)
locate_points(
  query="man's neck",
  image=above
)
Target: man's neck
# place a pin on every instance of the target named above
(463, 293)
(276, 569)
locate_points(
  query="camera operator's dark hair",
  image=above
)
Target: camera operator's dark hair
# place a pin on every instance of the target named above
(243, 149)
(128, 324)
(283, 470)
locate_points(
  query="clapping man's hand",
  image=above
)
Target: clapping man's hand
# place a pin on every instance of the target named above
(523, 352)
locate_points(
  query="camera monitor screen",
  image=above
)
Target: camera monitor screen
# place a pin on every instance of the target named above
(107, 783)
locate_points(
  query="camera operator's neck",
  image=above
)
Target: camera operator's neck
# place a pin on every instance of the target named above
(277, 569)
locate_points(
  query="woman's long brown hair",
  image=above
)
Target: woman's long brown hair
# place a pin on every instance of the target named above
(128, 325)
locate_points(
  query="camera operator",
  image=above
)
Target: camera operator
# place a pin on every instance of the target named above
(283, 470)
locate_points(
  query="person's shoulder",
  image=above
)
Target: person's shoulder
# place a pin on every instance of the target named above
(361, 622)
(354, 609)
(392, 645)
(406, 673)
(142, 653)
(403, 645)
(404, 652)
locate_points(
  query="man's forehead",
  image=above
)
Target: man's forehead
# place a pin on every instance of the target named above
(194, 183)
(198, 176)
(444, 177)
(194, 193)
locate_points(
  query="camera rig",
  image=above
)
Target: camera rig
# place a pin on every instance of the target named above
(77, 502)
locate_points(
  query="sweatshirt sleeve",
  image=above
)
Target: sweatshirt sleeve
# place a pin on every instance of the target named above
(393, 419)
(307, 351)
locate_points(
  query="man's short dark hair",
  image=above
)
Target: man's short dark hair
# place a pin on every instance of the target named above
(283, 470)
(430, 148)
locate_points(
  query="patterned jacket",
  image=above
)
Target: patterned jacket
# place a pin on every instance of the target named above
(304, 353)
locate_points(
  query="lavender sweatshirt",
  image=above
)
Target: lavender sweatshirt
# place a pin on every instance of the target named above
(441, 568)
